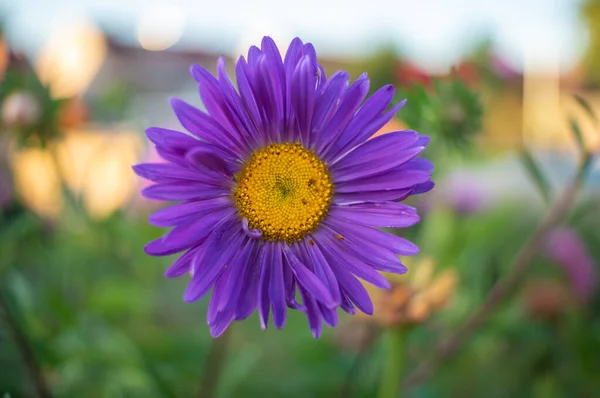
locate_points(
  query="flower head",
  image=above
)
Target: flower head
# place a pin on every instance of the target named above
(281, 191)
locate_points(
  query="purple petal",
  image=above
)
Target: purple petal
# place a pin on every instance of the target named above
(183, 264)
(277, 286)
(263, 286)
(189, 234)
(308, 280)
(349, 103)
(303, 97)
(377, 214)
(220, 247)
(385, 240)
(390, 180)
(203, 126)
(173, 215)
(178, 191)
(312, 313)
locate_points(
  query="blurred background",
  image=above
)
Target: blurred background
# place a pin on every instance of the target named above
(506, 90)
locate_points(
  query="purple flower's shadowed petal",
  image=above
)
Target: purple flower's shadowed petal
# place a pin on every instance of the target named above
(416, 164)
(183, 264)
(347, 305)
(363, 154)
(248, 299)
(327, 102)
(373, 254)
(378, 165)
(356, 267)
(220, 247)
(307, 279)
(235, 288)
(368, 131)
(292, 57)
(270, 96)
(171, 139)
(164, 172)
(377, 214)
(249, 101)
(374, 196)
(207, 158)
(203, 126)
(390, 180)
(178, 191)
(221, 324)
(312, 313)
(264, 302)
(277, 292)
(372, 108)
(303, 99)
(188, 234)
(250, 233)
(329, 315)
(223, 105)
(349, 103)
(322, 269)
(173, 215)
(350, 285)
(422, 188)
(386, 240)
(218, 298)
(289, 281)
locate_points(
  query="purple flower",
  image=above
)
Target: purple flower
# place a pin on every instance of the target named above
(566, 248)
(281, 191)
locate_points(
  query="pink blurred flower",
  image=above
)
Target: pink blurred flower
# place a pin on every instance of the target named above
(564, 246)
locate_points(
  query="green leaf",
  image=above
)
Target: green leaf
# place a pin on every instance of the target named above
(577, 134)
(586, 106)
(535, 173)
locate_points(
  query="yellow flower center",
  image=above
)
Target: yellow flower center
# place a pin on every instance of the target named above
(284, 190)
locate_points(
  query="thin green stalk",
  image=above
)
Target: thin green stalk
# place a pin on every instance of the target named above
(214, 365)
(391, 375)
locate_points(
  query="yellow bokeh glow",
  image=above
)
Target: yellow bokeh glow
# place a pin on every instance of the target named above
(71, 58)
(95, 165)
(160, 26)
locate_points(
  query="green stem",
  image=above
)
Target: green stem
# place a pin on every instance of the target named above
(391, 374)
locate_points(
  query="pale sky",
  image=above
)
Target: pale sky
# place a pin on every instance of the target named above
(432, 32)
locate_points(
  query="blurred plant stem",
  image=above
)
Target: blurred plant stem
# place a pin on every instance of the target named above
(214, 365)
(24, 347)
(365, 346)
(391, 374)
(504, 286)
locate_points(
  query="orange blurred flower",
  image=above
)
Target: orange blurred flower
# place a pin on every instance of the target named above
(413, 297)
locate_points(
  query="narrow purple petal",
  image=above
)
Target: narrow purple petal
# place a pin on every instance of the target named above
(188, 234)
(277, 293)
(312, 313)
(178, 191)
(377, 214)
(390, 180)
(264, 302)
(183, 264)
(307, 279)
(349, 103)
(173, 215)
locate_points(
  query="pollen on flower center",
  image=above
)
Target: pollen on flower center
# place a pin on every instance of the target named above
(284, 190)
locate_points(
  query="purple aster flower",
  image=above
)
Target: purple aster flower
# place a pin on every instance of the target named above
(280, 191)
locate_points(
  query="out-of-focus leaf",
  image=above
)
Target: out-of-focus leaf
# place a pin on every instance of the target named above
(576, 130)
(536, 174)
(586, 106)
